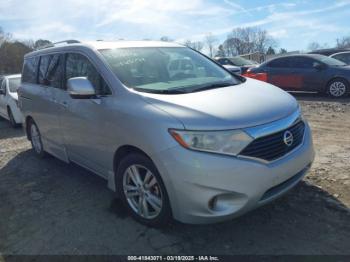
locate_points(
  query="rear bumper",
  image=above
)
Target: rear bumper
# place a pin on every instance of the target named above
(207, 188)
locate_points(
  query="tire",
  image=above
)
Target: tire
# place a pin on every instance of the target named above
(337, 88)
(11, 118)
(35, 139)
(147, 200)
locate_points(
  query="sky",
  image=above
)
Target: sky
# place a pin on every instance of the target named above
(294, 24)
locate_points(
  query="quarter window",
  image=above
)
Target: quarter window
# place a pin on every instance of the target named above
(78, 65)
(29, 73)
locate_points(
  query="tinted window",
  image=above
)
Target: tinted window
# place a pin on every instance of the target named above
(343, 57)
(279, 63)
(44, 64)
(30, 70)
(50, 70)
(14, 84)
(301, 62)
(78, 65)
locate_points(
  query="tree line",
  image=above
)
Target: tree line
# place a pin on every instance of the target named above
(239, 41)
(12, 52)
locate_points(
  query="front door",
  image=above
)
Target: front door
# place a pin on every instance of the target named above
(83, 121)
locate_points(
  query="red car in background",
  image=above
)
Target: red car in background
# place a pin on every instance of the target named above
(308, 72)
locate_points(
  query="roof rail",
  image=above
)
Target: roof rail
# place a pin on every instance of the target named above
(70, 41)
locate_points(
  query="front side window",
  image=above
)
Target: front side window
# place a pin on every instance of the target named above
(78, 65)
(29, 73)
(50, 70)
(14, 84)
(166, 69)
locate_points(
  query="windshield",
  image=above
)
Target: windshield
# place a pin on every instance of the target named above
(166, 70)
(330, 61)
(14, 84)
(240, 61)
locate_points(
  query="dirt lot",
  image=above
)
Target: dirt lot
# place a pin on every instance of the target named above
(49, 207)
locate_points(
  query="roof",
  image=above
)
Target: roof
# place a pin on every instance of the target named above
(329, 51)
(126, 44)
(99, 45)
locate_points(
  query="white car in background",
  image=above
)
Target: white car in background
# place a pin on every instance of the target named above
(342, 56)
(233, 69)
(9, 99)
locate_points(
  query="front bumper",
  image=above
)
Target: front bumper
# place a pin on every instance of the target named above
(207, 188)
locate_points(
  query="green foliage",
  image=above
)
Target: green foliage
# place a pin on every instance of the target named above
(13, 51)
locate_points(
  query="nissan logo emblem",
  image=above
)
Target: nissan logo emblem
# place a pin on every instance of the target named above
(288, 138)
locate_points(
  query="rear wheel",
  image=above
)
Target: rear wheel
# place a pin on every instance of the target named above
(142, 190)
(11, 118)
(337, 88)
(35, 139)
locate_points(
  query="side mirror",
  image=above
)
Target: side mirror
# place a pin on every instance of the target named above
(318, 66)
(80, 88)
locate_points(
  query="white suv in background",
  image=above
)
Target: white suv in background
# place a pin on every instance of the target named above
(9, 99)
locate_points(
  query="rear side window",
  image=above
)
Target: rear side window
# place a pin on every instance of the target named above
(29, 73)
(301, 62)
(50, 70)
(279, 63)
(78, 65)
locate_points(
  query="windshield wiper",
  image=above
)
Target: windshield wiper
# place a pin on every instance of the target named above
(212, 86)
(164, 91)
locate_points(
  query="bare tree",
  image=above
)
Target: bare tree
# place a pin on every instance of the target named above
(245, 40)
(197, 45)
(343, 42)
(315, 46)
(210, 40)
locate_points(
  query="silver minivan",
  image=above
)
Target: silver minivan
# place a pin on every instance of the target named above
(199, 144)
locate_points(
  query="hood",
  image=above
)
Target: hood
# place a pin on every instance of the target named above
(248, 104)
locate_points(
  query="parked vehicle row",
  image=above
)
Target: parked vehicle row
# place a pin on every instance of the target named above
(173, 133)
(9, 110)
(308, 72)
(237, 61)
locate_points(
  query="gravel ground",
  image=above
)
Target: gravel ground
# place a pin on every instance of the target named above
(49, 207)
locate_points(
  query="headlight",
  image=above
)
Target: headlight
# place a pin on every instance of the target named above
(229, 142)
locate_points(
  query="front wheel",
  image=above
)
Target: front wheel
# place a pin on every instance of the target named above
(337, 88)
(35, 139)
(142, 190)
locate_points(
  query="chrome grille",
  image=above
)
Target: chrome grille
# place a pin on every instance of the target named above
(272, 146)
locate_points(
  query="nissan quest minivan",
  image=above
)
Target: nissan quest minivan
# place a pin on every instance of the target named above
(199, 145)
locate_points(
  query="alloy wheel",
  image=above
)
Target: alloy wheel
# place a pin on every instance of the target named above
(337, 89)
(142, 191)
